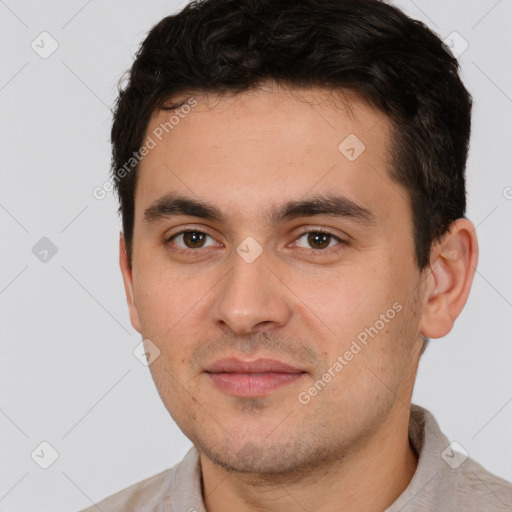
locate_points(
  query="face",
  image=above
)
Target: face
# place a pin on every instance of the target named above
(262, 232)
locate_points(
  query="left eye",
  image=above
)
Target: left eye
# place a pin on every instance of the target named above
(318, 240)
(192, 239)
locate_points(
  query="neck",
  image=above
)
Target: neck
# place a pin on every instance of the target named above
(370, 478)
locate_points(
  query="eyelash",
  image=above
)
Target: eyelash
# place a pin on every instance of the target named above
(315, 252)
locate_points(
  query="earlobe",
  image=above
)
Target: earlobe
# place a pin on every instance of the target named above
(452, 268)
(127, 272)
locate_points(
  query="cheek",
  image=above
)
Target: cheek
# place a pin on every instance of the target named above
(366, 311)
(346, 300)
(172, 312)
(163, 297)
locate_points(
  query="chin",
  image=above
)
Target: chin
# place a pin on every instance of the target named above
(266, 459)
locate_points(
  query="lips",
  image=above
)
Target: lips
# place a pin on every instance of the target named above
(252, 378)
(233, 365)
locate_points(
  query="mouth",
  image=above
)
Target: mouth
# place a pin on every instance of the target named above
(252, 378)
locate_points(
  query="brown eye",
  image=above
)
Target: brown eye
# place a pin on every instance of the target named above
(318, 240)
(191, 239)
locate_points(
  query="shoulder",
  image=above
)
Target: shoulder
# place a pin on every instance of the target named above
(140, 496)
(446, 478)
(479, 489)
(178, 485)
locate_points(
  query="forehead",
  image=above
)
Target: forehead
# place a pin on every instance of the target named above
(268, 145)
(271, 107)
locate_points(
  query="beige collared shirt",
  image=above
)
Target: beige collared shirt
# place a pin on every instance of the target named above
(444, 481)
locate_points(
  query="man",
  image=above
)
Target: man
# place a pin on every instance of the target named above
(291, 181)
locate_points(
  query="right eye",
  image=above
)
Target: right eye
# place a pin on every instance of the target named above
(190, 240)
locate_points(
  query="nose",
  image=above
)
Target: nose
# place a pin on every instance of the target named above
(251, 298)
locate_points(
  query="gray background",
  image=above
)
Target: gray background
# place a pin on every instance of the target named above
(67, 372)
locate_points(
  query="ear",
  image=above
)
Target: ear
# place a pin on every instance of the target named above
(126, 271)
(453, 263)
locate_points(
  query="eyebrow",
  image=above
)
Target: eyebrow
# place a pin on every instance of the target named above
(329, 205)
